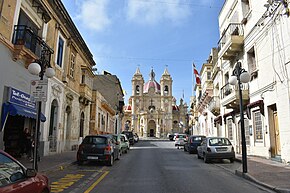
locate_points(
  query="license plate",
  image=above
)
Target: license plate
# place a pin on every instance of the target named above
(93, 157)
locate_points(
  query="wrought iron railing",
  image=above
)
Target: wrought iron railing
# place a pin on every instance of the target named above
(24, 35)
(232, 29)
(227, 89)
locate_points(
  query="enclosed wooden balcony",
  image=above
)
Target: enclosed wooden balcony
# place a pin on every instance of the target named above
(85, 94)
(232, 41)
(230, 95)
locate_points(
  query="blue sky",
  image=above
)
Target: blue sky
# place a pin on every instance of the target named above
(125, 34)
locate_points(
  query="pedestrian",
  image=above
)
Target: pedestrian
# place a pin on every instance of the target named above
(27, 142)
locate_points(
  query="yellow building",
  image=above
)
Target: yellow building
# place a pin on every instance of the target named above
(152, 110)
(33, 30)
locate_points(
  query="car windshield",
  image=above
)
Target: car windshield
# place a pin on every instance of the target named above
(129, 134)
(219, 142)
(95, 140)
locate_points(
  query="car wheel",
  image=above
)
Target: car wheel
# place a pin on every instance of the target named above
(45, 191)
(232, 160)
(205, 159)
(111, 161)
(184, 149)
(190, 152)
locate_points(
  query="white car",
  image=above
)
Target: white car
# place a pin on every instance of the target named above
(180, 140)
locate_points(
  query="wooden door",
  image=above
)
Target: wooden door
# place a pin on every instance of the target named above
(276, 135)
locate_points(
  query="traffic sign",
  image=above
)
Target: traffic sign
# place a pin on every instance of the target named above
(38, 90)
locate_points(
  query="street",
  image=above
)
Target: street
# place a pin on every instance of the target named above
(152, 167)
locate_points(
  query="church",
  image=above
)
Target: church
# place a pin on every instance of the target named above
(152, 110)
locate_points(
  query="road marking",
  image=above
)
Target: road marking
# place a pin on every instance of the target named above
(65, 182)
(97, 182)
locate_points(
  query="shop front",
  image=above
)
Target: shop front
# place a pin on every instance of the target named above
(18, 120)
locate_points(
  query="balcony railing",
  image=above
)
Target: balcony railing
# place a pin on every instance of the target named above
(230, 95)
(231, 41)
(234, 29)
(24, 35)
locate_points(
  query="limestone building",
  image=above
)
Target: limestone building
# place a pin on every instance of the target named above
(152, 110)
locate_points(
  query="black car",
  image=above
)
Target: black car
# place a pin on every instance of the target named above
(130, 136)
(193, 142)
(102, 148)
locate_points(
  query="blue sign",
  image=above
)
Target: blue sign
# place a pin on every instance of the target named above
(20, 98)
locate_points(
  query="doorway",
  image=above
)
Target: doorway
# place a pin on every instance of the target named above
(52, 136)
(275, 145)
(151, 128)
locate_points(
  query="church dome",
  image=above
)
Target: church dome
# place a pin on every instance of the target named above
(152, 83)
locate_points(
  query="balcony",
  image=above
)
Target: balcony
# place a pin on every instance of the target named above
(28, 45)
(204, 99)
(230, 95)
(85, 94)
(214, 105)
(231, 42)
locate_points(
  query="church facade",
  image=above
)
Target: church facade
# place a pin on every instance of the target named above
(152, 110)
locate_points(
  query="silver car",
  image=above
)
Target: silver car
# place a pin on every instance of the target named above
(216, 148)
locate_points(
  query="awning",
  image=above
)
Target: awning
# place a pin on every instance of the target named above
(13, 109)
(259, 103)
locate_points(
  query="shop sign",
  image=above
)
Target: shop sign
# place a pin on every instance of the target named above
(20, 98)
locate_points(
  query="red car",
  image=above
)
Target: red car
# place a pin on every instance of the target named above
(15, 178)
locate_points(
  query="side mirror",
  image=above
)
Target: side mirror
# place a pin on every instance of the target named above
(30, 172)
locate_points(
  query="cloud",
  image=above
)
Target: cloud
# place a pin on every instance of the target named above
(150, 12)
(93, 14)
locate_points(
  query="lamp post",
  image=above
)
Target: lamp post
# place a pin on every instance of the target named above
(240, 76)
(40, 67)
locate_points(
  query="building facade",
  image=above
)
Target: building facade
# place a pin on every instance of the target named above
(152, 110)
(32, 30)
(257, 38)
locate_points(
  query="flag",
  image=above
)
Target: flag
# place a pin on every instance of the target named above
(196, 74)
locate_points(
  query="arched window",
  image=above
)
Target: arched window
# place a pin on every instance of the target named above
(166, 90)
(137, 90)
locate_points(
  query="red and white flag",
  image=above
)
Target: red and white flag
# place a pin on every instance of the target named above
(196, 74)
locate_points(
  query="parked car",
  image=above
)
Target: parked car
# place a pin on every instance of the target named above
(117, 140)
(216, 148)
(136, 138)
(130, 136)
(180, 140)
(100, 148)
(192, 143)
(15, 178)
(124, 143)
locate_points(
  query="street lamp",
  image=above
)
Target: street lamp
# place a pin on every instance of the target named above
(40, 67)
(240, 76)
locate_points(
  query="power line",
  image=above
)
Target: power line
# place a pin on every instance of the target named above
(143, 58)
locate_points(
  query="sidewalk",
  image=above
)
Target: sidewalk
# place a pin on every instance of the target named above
(265, 172)
(52, 162)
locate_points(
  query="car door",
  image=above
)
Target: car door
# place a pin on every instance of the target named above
(13, 178)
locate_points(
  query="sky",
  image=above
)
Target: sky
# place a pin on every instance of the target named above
(123, 35)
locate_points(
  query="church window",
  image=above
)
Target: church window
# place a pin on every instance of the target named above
(137, 90)
(166, 90)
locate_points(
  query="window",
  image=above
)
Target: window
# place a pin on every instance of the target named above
(99, 120)
(72, 65)
(251, 58)
(245, 7)
(166, 90)
(258, 126)
(208, 75)
(60, 51)
(10, 171)
(230, 128)
(137, 90)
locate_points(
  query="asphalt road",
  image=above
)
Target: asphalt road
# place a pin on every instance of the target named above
(153, 167)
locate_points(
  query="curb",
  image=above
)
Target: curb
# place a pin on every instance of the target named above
(252, 179)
